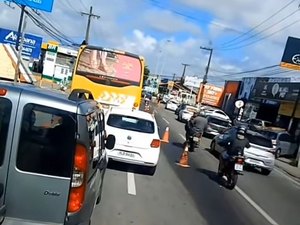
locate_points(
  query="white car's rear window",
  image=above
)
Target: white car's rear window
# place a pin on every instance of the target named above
(131, 123)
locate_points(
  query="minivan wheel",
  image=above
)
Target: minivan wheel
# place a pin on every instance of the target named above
(212, 146)
(277, 153)
(265, 171)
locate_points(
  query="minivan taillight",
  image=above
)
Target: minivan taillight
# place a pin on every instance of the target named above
(78, 184)
(155, 143)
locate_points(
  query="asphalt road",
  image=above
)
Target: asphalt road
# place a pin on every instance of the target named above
(191, 196)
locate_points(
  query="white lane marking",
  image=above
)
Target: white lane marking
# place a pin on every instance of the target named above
(287, 176)
(166, 120)
(131, 184)
(182, 136)
(257, 207)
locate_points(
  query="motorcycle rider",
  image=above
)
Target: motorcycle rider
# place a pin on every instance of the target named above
(197, 124)
(234, 145)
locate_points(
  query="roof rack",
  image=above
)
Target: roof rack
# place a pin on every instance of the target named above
(81, 94)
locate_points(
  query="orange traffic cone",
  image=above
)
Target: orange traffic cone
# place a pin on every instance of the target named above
(184, 159)
(166, 136)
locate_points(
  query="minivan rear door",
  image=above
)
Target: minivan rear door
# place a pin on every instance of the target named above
(7, 112)
(41, 162)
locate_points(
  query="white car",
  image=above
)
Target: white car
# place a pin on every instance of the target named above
(137, 137)
(172, 105)
(186, 113)
(216, 113)
(259, 155)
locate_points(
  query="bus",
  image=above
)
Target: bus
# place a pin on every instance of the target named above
(114, 77)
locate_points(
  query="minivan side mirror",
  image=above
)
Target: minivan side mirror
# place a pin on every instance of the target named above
(110, 142)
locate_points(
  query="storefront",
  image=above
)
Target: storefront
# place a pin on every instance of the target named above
(287, 97)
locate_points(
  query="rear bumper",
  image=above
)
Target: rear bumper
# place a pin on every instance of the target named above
(259, 162)
(145, 157)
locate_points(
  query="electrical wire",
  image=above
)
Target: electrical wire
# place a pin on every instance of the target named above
(261, 23)
(256, 34)
(265, 37)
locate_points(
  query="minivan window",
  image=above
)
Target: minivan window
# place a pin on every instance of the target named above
(130, 123)
(5, 113)
(47, 141)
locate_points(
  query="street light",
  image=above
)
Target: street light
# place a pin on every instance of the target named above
(204, 81)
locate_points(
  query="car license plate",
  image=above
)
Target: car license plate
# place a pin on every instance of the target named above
(238, 167)
(127, 154)
(195, 139)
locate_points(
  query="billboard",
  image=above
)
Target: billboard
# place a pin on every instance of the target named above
(277, 91)
(212, 95)
(44, 5)
(32, 44)
(248, 84)
(152, 84)
(192, 82)
(291, 54)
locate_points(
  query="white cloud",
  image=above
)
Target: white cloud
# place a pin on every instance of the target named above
(168, 22)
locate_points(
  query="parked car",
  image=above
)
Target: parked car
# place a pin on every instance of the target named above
(172, 105)
(217, 125)
(209, 111)
(283, 142)
(186, 113)
(137, 138)
(183, 106)
(259, 155)
(258, 124)
(52, 156)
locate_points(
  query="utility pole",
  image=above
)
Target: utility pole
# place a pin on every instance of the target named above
(20, 26)
(17, 71)
(183, 72)
(204, 81)
(90, 15)
(174, 74)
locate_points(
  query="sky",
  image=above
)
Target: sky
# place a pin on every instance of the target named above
(244, 35)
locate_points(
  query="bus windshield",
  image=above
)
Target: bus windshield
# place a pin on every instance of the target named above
(109, 67)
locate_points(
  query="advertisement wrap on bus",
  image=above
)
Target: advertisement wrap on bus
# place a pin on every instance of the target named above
(114, 77)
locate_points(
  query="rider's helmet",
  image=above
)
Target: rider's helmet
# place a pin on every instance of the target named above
(241, 131)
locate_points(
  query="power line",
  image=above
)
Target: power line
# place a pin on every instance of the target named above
(261, 23)
(256, 34)
(249, 71)
(156, 4)
(265, 37)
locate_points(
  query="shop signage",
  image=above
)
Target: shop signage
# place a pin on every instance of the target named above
(44, 5)
(277, 91)
(291, 54)
(32, 44)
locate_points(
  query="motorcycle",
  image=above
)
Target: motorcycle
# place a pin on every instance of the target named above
(232, 168)
(194, 141)
(147, 105)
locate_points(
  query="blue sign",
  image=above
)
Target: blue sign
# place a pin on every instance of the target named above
(31, 46)
(44, 5)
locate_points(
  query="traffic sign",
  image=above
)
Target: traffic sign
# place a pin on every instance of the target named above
(239, 104)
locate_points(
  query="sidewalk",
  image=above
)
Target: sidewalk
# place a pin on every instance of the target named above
(284, 164)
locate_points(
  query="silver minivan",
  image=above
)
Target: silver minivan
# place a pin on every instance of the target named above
(52, 156)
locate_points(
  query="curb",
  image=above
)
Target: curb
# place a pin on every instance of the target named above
(288, 173)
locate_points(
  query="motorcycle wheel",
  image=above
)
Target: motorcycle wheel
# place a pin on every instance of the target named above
(232, 180)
